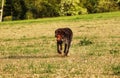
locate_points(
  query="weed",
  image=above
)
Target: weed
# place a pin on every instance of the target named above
(33, 68)
(10, 68)
(85, 42)
(48, 68)
(116, 69)
(91, 53)
(114, 51)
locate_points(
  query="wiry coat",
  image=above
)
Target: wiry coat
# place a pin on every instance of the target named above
(63, 35)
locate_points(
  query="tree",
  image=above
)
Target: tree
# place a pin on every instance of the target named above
(42, 8)
(29, 9)
(19, 9)
(1, 11)
(8, 8)
(107, 6)
(90, 5)
(47, 9)
(118, 2)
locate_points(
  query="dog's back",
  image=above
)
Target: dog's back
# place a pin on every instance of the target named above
(66, 32)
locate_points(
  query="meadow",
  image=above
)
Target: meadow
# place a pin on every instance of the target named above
(28, 47)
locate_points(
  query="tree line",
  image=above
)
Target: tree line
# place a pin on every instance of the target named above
(32, 9)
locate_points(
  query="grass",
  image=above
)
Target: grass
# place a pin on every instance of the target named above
(28, 48)
(68, 18)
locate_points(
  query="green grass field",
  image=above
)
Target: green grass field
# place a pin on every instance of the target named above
(28, 47)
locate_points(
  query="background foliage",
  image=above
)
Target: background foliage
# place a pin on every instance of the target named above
(29, 9)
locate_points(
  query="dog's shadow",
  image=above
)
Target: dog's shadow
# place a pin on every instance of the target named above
(31, 56)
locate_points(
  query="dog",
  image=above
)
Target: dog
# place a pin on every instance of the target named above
(63, 36)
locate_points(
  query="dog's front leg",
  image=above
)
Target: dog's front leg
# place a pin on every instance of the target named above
(59, 47)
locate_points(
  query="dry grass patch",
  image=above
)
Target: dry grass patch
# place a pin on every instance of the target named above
(29, 50)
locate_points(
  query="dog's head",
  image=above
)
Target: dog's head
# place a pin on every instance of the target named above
(59, 35)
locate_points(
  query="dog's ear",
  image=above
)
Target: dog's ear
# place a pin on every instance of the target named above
(56, 33)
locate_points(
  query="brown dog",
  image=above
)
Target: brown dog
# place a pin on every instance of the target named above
(63, 35)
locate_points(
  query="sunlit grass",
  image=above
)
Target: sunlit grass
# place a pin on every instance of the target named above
(29, 49)
(86, 17)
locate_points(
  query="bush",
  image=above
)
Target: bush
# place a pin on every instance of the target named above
(107, 6)
(7, 18)
(90, 5)
(71, 7)
(29, 15)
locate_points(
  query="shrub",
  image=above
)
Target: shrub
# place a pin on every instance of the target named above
(107, 6)
(29, 15)
(71, 7)
(7, 18)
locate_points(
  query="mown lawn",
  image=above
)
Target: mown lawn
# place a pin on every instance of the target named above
(28, 48)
